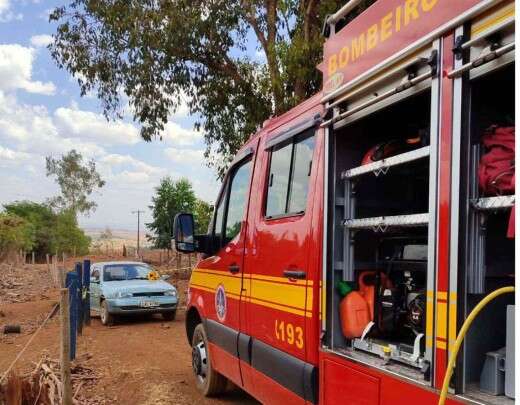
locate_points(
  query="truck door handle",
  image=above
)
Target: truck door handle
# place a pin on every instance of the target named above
(234, 268)
(296, 274)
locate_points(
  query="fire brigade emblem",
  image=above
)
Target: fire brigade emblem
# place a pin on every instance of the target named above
(220, 303)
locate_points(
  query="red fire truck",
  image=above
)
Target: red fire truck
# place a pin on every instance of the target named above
(354, 234)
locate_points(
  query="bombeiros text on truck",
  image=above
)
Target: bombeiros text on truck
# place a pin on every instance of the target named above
(361, 249)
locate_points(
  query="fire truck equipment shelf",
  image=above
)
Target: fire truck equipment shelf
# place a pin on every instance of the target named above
(493, 203)
(381, 223)
(382, 166)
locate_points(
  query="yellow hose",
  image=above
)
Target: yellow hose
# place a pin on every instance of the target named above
(460, 337)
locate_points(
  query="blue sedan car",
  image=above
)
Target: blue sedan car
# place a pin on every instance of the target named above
(125, 288)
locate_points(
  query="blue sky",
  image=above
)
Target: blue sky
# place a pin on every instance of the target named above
(42, 114)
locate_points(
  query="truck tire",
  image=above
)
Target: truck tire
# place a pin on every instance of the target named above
(209, 381)
(107, 318)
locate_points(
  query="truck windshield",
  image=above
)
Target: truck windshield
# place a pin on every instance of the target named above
(118, 272)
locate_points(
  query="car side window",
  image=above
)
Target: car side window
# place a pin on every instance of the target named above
(289, 172)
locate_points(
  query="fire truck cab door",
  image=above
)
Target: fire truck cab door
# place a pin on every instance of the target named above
(222, 273)
(277, 270)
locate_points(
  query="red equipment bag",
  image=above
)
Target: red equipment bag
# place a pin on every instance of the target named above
(496, 172)
(497, 164)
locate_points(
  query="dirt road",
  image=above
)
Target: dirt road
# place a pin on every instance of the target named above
(142, 361)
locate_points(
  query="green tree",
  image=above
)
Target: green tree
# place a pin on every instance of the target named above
(77, 181)
(48, 231)
(68, 236)
(154, 53)
(15, 234)
(41, 223)
(171, 197)
(202, 213)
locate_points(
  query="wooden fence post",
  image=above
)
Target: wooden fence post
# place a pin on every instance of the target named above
(66, 381)
(33, 257)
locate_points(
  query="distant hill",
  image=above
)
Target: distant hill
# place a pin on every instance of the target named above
(119, 238)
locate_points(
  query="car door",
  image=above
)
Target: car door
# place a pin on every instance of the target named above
(277, 266)
(221, 273)
(95, 287)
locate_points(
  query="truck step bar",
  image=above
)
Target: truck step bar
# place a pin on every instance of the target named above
(382, 166)
(381, 223)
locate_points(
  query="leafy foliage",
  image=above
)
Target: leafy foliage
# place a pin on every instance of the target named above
(156, 52)
(202, 215)
(15, 234)
(77, 181)
(171, 197)
(47, 231)
(68, 236)
(40, 220)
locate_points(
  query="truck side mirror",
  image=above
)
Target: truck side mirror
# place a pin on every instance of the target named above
(183, 233)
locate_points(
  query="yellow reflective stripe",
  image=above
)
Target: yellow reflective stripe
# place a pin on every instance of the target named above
(429, 318)
(283, 294)
(293, 298)
(310, 296)
(231, 284)
(280, 279)
(281, 307)
(442, 295)
(452, 333)
(442, 318)
(440, 344)
(199, 287)
(259, 277)
(493, 19)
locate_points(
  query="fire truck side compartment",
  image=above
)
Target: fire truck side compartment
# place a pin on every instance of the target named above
(487, 261)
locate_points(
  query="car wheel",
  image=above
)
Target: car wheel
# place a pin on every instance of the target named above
(107, 318)
(209, 381)
(169, 316)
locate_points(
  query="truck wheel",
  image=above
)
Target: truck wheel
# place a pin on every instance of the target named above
(107, 318)
(169, 316)
(209, 381)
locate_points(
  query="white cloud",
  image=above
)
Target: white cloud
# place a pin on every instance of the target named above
(115, 159)
(16, 63)
(6, 14)
(9, 157)
(185, 156)
(87, 125)
(127, 177)
(41, 41)
(32, 129)
(177, 135)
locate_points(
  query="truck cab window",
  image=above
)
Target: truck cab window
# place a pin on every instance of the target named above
(219, 214)
(289, 173)
(301, 171)
(237, 200)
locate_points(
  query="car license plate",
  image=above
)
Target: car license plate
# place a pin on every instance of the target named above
(148, 304)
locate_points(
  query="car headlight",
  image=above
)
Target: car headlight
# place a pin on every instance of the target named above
(123, 294)
(171, 293)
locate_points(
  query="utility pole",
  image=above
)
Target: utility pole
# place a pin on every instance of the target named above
(138, 212)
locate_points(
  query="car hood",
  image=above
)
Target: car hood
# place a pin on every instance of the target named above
(135, 286)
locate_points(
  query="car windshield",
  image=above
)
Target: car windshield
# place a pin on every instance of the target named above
(119, 272)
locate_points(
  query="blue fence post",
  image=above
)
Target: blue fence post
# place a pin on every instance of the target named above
(71, 282)
(79, 309)
(86, 291)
